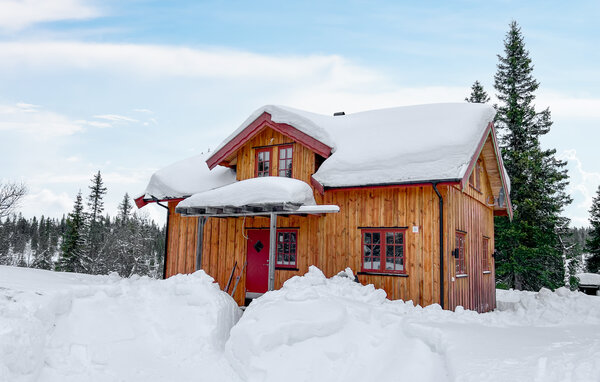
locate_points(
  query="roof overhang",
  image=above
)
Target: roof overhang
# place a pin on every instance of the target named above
(141, 201)
(257, 210)
(260, 123)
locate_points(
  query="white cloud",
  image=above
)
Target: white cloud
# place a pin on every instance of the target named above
(115, 118)
(582, 187)
(19, 14)
(48, 202)
(33, 120)
(159, 60)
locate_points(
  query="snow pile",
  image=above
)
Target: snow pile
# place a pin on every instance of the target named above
(104, 328)
(588, 279)
(548, 308)
(254, 191)
(402, 144)
(187, 177)
(322, 329)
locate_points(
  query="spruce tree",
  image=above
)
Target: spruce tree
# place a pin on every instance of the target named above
(96, 230)
(593, 241)
(530, 252)
(73, 241)
(124, 209)
(478, 95)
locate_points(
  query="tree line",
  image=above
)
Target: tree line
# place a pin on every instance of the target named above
(86, 240)
(537, 248)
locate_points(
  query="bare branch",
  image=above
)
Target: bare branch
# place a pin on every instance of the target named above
(10, 196)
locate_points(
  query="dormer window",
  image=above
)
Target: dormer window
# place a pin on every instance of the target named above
(263, 162)
(285, 161)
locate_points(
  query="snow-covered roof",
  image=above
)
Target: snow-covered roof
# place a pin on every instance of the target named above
(187, 177)
(396, 145)
(255, 191)
(589, 279)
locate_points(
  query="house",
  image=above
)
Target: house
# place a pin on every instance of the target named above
(405, 197)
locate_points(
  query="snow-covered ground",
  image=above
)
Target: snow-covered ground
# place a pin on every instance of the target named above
(68, 327)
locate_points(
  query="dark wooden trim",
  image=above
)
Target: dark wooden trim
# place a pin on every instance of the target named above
(376, 228)
(296, 228)
(280, 268)
(461, 231)
(382, 274)
(275, 145)
(442, 182)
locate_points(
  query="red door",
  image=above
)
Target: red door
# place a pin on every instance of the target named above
(257, 270)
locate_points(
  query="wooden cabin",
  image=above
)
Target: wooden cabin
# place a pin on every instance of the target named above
(405, 197)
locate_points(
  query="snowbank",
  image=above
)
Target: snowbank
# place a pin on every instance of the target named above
(254, 191)
(66, 327)
(322, 329)
(187, 177)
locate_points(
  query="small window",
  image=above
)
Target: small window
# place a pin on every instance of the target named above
(286, 248)
(285, 161)
(263, 162)
(459, 261)
(485, 260)
(383, 251)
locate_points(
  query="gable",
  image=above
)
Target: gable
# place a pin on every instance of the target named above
(227, 151)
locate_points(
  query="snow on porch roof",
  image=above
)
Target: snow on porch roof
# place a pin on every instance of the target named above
(184, 178)
(389, 146)
(255, 196)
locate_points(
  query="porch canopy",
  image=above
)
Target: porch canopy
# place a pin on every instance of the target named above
(253, 197)
(267, 196)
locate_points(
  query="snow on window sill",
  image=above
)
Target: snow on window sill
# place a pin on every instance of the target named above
(460, 276)
(486, 272)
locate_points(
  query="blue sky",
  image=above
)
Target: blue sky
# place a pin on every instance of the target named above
(127, 87)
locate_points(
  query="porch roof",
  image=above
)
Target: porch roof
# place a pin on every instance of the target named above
(256, 196)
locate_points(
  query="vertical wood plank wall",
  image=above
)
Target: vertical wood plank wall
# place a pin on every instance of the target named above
(332, 242)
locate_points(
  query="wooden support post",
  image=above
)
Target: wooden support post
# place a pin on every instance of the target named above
(272, 249)
(199, 240)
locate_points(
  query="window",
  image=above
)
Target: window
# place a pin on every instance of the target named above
(286, 248)
(485, 260)
(263, 162)
(383, 251)
(285, 161)
(459, 260)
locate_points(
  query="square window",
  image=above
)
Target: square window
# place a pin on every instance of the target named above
(286, 248)
(385, 256)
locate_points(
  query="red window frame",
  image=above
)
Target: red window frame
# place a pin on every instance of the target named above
(262, 172)
(460, 265)
(286, 159)
(485, 259)
(287, 248)
(391, 245)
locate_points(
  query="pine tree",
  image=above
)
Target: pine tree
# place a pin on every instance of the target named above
(96, 232)
(593, 242)
(72, 243)
(43, 255)
(478, 95)
(530, 251)
(124, 209)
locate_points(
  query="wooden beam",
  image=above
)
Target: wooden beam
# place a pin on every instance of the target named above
(272, 249)
(199, 240)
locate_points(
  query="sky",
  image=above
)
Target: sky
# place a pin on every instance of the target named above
(128, 87)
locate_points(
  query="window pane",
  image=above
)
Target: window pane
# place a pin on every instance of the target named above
(399, 238)
(389, 237)
(376, 263)
(367, 250)
(261, 156)
(367, 238)
(376, 238)
(289, 152)
(399, 251)
(389, 252)
(266, 166)
(389, 264)
(367, 263)
(267, 155)
(293, 237)
(293, 248)
(376, 250)
(279, 258)
(293, 259)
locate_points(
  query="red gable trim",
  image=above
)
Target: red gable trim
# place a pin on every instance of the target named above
(141, 202)
(265, 120)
